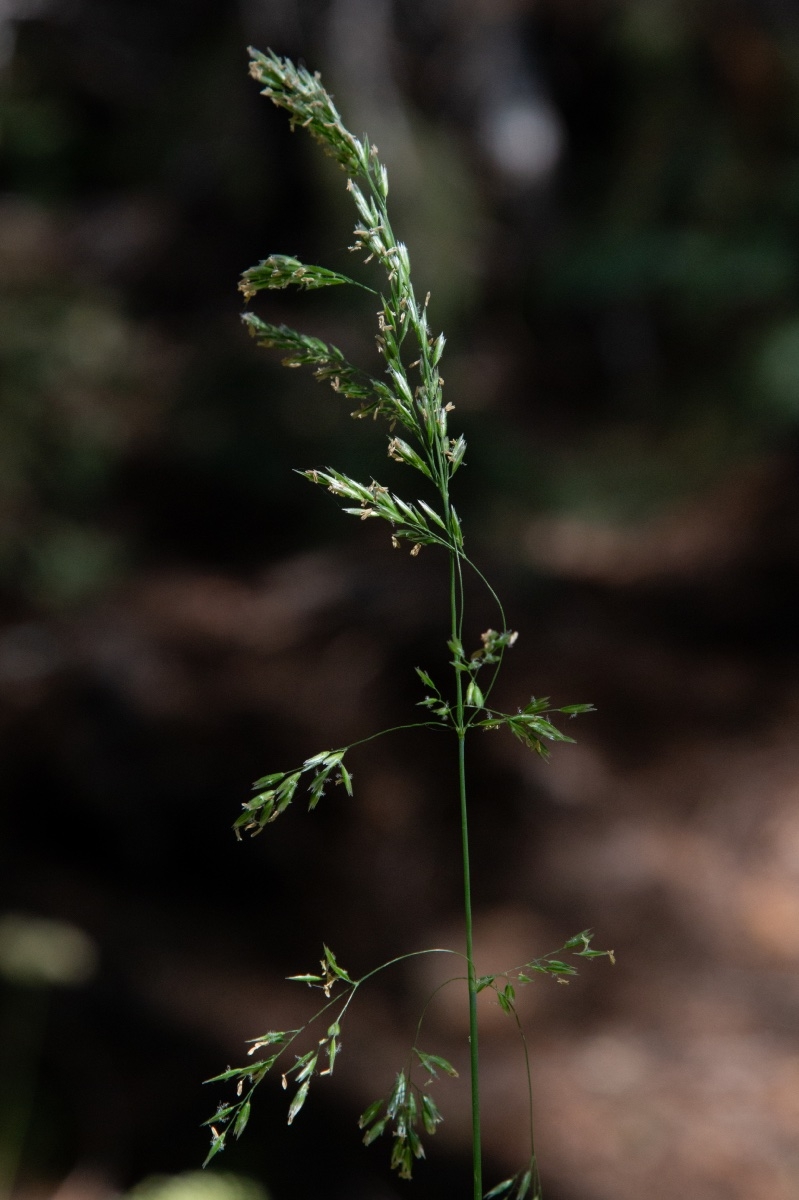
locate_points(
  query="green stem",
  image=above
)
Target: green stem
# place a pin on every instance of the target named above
(535, 1178)
(397, 729)
(477, 1163)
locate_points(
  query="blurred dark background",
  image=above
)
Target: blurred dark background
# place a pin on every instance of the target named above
(602, 197)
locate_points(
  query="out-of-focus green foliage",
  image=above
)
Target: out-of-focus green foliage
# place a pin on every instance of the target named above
(671, 286)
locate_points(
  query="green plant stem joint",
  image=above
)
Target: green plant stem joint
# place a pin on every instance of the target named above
(410, 399)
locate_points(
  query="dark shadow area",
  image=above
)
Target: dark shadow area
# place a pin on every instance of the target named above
(602, 197)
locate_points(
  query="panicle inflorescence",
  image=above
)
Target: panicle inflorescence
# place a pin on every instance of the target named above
(282, 271)
(309, 105)
(416, 406)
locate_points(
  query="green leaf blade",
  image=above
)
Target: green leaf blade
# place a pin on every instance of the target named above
(283, 271)
(338, 971)
(375, 1132)
(369, 1114)
(217, 1145)
(432, 1061)
(300, 1096)
(500, 1189)
(431, 1117)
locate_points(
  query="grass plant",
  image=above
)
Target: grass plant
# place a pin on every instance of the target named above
(409, 396)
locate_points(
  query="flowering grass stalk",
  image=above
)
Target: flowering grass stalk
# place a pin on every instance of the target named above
(408, 395)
